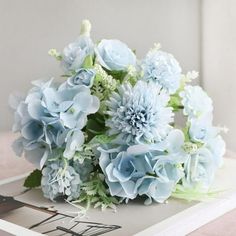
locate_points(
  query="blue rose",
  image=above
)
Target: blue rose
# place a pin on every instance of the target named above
(115, 55)
(154, 188)
(122, 169)
(82, 77)
(199, 169)
(74, 54)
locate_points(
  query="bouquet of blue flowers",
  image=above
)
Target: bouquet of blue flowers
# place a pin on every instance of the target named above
(107, 131)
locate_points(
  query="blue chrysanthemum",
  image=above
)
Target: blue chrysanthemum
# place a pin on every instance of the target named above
(196, 102)
(163, 69)
(139, 113)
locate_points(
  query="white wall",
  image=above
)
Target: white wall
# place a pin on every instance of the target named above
(219, 61)
(28, 28)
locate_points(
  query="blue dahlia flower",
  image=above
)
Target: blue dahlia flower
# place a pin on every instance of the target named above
(139, 113)
(163, 69)
(59, 179)
(196, 102)
(114, 55)
(49, 118)
(74, 54)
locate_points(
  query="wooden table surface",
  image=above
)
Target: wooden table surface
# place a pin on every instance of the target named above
(10, 166)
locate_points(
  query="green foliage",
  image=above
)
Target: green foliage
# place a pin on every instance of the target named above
(95, 125)
(196, 193)
(88, 62)
(34, 179)
(94, 193)
(103, 86)
(86, 152)
(102, 139)
(175, 102)
(119, 75)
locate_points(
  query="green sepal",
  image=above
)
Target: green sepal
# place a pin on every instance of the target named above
(88, 62)
(34, 179)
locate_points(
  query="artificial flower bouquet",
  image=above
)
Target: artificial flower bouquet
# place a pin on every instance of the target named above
(106, 131)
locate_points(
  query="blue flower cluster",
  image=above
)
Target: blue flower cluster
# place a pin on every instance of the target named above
(208, 157)
(150, 170)
(109, 128)
(51, 117)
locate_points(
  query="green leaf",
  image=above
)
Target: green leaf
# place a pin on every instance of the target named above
(34, 179)
(88, 62)
(196, 193)
(119, 75)
(102, 139)
(175, 102)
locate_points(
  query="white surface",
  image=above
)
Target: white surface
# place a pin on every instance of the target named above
(16, 229)
(175, 218)
(28, 29)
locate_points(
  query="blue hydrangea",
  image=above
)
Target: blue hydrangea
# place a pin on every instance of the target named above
(74, 54)
(163, 69)
(139, 114)
(115, 55)
(60, 179)
(49, 118)
(196, 102)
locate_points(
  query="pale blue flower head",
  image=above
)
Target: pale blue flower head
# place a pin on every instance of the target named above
(139, 113)
(168, 157)
(74, 140)
(163, 69)
(196, 102)
(155, 189)
(115, 55)
(49, 118)
(217, 147)
(60, 180)
(201, 129)
(82, 77)
(122, 169)
(168, 166)
(74, 54)
(200, 169)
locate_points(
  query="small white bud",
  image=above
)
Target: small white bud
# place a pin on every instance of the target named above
(191, 75)
(85, 28)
